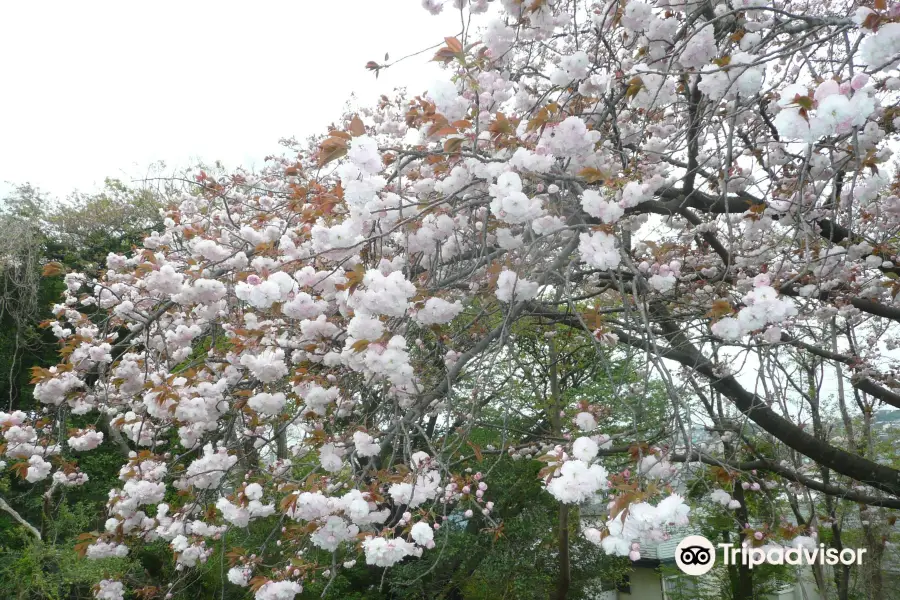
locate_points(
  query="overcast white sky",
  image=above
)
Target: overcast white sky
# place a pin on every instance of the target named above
(104, 88)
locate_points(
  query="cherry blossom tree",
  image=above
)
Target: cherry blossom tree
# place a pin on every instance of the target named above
(704, 190)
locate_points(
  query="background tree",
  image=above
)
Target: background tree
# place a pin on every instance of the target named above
(36, 231)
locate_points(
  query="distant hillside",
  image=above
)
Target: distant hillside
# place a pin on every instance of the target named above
(886, 416)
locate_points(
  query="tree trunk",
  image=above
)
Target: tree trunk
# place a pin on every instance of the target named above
(565, 573)
(281, 444)
(841, 572)
(744, 588)
(873, 585)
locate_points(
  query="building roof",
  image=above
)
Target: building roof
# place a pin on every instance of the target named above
(665, 551)
(650, 551)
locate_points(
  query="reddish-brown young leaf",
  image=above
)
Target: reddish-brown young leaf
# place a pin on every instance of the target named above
(147, 592)
(872, 21)
(639, 450)
(331, 149)
(444, 55)
(635, 85)
(359, 345)
(592, 175)
(453, 145)
(477, 449)
(356, 126)
(444, 131)
(720, 308)
(52, 269)
(257, 582)
(453, 44)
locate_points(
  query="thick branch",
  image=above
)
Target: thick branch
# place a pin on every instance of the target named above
(774, 467)
(18, 518)
(755, 408)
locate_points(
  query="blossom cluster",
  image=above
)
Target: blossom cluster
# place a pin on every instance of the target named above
(296, 346)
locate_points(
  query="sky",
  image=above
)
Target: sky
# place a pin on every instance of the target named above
(99, 89)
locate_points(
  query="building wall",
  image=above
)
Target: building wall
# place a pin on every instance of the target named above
(806, 589)
(645, 585)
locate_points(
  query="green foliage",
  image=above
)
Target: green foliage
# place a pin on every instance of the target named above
(472, 563)
(85, 228)
(31, 570)
(79, 234)
(721, 525)
(51, 569)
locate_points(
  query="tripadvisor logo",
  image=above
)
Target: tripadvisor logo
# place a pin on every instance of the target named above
(696, 555)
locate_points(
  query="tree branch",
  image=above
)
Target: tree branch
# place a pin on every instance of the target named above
(17, 517)
(681, 350)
